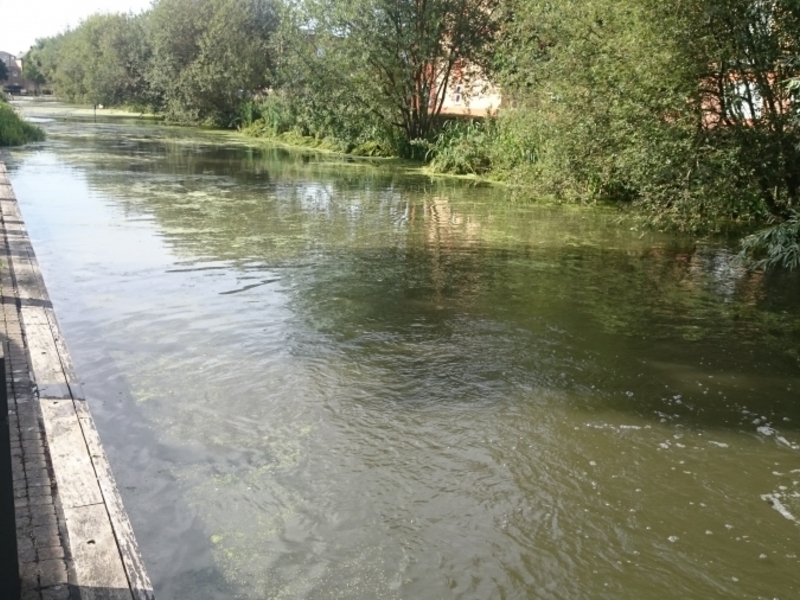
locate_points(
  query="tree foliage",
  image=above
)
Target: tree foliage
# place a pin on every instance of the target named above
(392, 60)
(364, 73)
(103, 61)
(39, 61)
(743, 54)
(207, 55)
(679, 105)
(193, 59)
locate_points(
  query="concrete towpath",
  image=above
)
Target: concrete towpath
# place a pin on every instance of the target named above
(73, 535)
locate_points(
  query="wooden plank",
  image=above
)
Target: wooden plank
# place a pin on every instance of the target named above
(134, 565)
(26, 267)
(51, 361)
(67, 367)
(73, 467)
(11, 208)
(51, 352)
(11, 212)
(28, 280)
(45, 359)
(30, 283)
(98, 571)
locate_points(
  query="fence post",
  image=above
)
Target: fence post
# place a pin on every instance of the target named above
(9, 561)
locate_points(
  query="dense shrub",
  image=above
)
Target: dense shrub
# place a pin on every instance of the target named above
(307, 119)
(649, 102)
(15, 131)
(776, 246)
(463, 148)
(502, 146)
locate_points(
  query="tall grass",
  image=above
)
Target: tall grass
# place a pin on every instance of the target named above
(463, 148)
(302, 122)
(15, 131)
(501, 147)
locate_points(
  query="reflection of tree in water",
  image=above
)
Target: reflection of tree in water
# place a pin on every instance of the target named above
(412, 295)
(379, 245)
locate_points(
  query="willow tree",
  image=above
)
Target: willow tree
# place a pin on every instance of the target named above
(395, 58)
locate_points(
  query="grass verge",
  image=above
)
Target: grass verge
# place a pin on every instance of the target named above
(15, 131)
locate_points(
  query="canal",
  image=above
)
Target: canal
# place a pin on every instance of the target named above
(321, 379)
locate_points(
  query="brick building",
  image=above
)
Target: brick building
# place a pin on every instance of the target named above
(15, 84)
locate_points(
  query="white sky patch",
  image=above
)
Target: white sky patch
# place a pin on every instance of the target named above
(21, 23)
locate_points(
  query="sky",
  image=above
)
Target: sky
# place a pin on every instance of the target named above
(23, 21)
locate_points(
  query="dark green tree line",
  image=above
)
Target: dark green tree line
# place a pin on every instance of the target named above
(194, 60)
(681, 107)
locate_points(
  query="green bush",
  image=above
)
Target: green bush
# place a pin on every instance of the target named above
(776, 246)
(504, 146)
(303, 119)
(373, 148)
(462, 148)
(14, 131)
(269, 117)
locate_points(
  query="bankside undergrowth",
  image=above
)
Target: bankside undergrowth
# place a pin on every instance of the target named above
(15, 131)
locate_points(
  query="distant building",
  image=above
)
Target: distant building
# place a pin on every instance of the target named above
(469, 92)
(16, 84)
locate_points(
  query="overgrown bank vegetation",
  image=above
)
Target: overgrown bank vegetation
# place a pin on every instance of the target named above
(15, 131)
(685, 109)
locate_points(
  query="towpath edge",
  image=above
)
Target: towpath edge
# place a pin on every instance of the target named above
(75, 540)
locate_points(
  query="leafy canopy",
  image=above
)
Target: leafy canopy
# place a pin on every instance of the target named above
(392, 60)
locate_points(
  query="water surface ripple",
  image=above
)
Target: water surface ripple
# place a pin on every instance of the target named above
(320, 379)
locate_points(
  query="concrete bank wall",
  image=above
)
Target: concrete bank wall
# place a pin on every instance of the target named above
(99, 549)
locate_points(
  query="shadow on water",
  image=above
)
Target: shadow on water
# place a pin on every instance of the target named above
(605, 326)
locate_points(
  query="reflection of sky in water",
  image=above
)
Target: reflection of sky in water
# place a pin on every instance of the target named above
(718, 266)
(345, 382)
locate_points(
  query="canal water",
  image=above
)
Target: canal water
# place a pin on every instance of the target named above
(322, 379)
